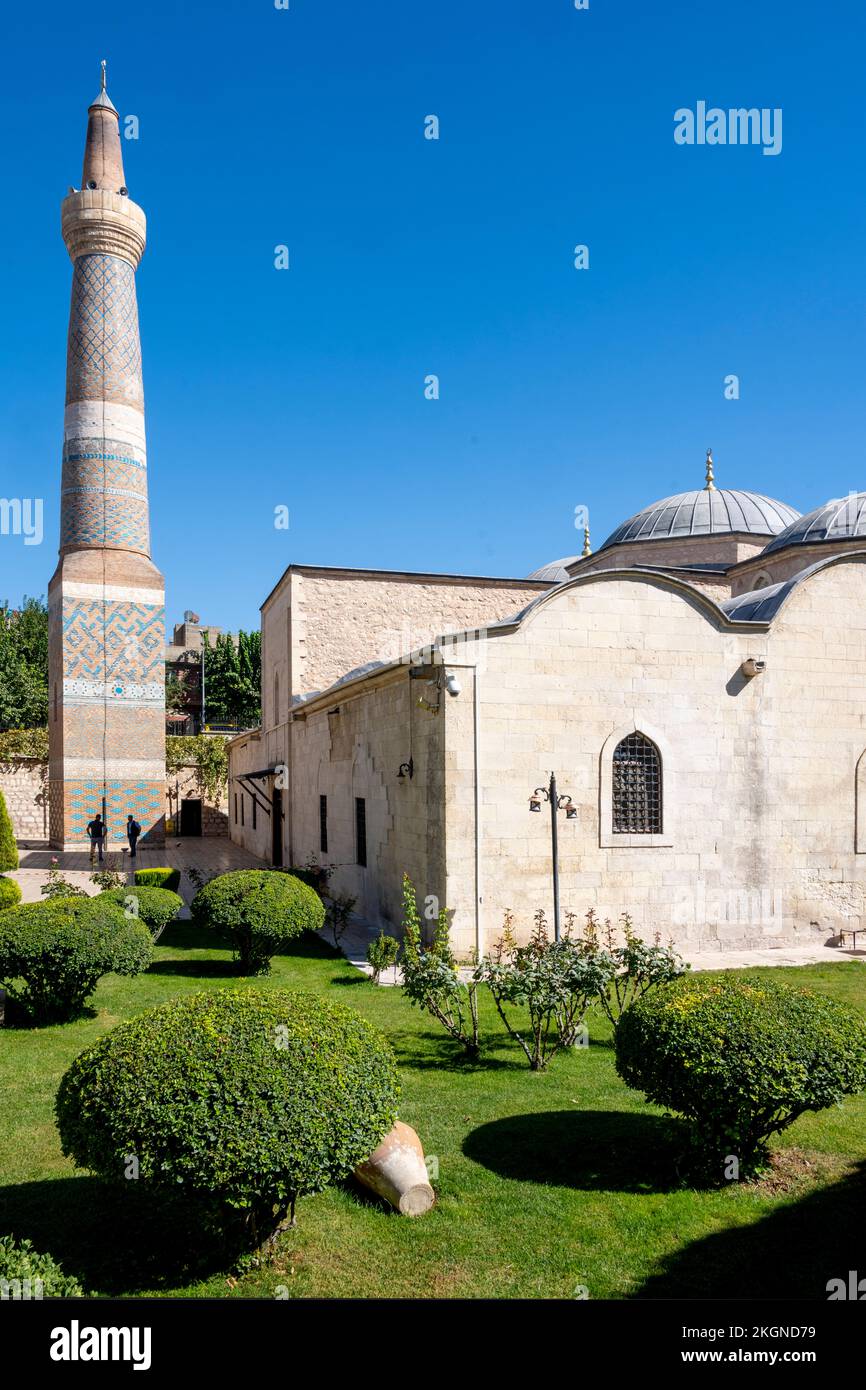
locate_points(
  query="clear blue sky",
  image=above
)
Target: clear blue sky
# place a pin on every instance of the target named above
(305, 388)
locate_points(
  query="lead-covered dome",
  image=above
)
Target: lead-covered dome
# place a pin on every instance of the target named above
(841, 519)
(706, 511)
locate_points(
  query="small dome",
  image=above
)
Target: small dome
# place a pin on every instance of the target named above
(705, 512)
(556, 572)
(842, 519)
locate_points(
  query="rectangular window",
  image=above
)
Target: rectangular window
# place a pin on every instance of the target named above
(242, 808)
(236, 808)
(323, 824)
(255, 804)
(361, 831)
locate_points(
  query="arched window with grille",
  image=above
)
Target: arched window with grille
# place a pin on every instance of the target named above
(636, 800)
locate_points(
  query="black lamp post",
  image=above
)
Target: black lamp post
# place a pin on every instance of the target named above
(557, 803)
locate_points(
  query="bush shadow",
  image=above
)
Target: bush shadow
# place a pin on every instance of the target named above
(115, 1240)
(591, 1150)
(441, 1054)
(791, 1253)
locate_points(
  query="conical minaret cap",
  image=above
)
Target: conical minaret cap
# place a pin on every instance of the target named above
(103, 157)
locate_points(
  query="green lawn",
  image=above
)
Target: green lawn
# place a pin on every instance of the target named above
(546, 1182)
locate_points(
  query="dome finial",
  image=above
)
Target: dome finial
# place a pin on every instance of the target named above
(709, 486)
(103, 65)
(587, 548)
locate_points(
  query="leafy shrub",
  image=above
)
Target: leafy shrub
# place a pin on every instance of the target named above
(111, 875)
(158, 878)
(244, 1099)
(52, 954)
(314, 874)
(10, 892)
(431, 979)
(338, 914)
(257, 911)
(8, 847)
(740, 1059)
(60, 887)
(555, 981)
(382, 954)
(155, 907)
(24, 1273)
(631, 968)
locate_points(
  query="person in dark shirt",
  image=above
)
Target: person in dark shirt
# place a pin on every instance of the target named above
(96, 834)
(133, 830)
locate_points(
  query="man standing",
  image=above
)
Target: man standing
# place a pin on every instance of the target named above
(96, 832)
(133, 830)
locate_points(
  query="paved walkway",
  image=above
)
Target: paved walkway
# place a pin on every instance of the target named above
(211, 855)
(217, 855)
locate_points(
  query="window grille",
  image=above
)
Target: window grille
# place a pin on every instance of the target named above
(637, 787)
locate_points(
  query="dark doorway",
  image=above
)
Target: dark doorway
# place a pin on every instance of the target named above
(277, 828)
(190, 817)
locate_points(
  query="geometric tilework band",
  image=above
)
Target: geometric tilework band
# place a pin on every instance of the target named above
(113, 650)
(104, 485)
(75, 802)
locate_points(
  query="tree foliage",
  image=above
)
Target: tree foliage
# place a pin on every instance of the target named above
(233, 679)
(24, 664)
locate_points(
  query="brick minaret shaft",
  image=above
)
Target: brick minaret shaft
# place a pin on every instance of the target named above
(106, 598)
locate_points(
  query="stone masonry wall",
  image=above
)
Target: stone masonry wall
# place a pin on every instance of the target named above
(25, 786)
(318, 626)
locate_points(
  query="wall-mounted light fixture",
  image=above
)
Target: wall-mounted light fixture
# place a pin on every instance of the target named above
(407, 769)
(752, 666)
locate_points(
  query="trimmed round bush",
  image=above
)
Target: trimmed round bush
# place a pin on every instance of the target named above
(53, 953)
(740, 1059)
(27, 1274)
(10, 892)
(155, 907)
(158, 878)
(258, 911)
(8, 847)
(244, 1099)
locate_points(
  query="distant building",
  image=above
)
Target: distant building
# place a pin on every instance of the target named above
(183, 670)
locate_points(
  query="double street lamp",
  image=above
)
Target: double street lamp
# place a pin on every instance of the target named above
(558, 802)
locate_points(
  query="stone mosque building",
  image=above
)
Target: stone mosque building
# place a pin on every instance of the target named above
(697, 685)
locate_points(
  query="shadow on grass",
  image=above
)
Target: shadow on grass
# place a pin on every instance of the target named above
(114, 1240)
(592, 1150)
(437, 1052)
(197, 968)
(791, 1253)
(19, 1020)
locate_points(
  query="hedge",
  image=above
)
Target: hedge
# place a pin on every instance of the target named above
(159, 878)
(53, 953)
(8, 847)
(25, 1273)
(740, 1059)
(244, 1099)
(155, 907)
(257, 911)
(10, 892)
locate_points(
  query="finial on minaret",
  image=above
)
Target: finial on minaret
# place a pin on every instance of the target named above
(709, 486)
(103, 65)
(587, 548)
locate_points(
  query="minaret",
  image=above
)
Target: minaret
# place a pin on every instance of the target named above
(106, 600)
